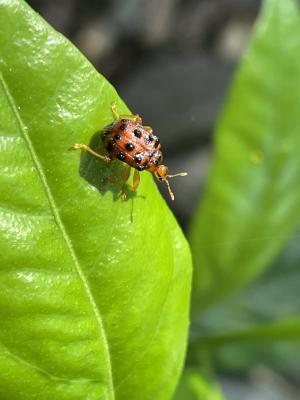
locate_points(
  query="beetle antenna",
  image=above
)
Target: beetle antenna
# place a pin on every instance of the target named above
(167, 182)
(170, 191)
(179, 174)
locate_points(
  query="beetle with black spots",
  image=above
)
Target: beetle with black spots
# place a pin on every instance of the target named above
(128, 140)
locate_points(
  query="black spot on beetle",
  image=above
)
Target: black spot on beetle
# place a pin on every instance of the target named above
(137, 133)
(149, 138)
(156, 143)
(124, 120)
(138, 157)
(116, 138)
(122, 127)
(121, 156)
(143, 166)
(129, 146)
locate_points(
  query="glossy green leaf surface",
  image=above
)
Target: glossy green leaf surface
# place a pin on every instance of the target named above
(94, 290)
(252, 201)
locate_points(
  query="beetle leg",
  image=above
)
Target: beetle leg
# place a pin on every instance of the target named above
(117, 117)
(114, 111)
(89, 150)
(134, 186)
(133, 117)
(136, 180)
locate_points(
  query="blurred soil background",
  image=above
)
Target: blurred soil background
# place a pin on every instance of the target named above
(172, 62)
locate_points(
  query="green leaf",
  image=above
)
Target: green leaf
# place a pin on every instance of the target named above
(252, 201)
(94, 290)
(243, 358)
(260, 324)
(287, 329)
(195, 386)
(267, 309)
(197, 382)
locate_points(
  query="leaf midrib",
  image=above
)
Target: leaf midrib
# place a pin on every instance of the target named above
(63, 231)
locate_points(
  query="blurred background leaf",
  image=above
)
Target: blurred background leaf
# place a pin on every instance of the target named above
(199, 383)
(266, 309)
(252, 202)
(260, 324)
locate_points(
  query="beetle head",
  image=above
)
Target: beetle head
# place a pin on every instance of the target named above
(161, 174)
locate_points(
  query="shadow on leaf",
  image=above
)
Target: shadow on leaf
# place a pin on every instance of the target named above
(100, 174)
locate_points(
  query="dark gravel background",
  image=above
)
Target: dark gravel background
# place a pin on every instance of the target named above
(171, 61)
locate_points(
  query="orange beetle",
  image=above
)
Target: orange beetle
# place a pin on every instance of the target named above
(128, 140)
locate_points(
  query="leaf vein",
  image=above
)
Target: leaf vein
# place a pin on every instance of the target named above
(21, 360)
(63, 231)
